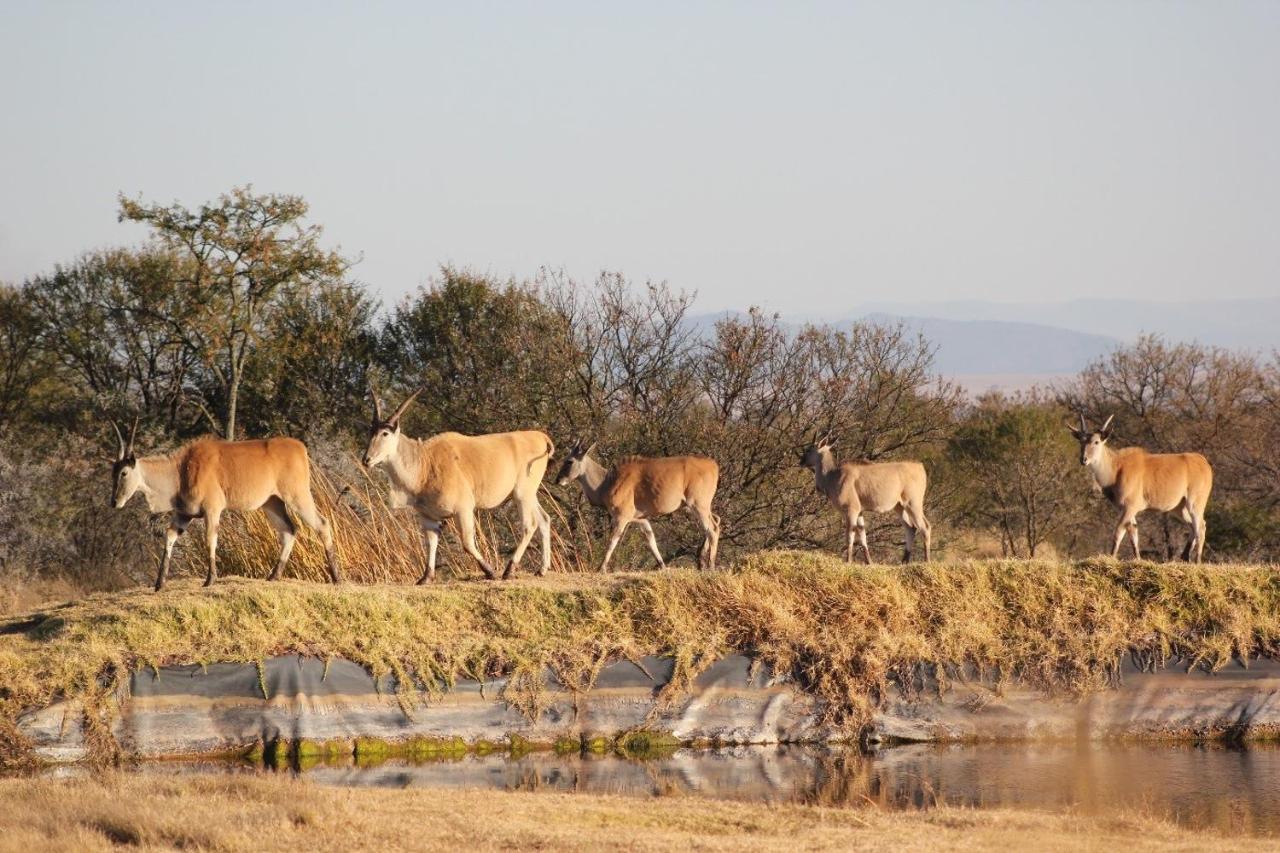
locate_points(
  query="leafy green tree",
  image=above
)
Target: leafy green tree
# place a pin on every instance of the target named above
(492, 355)
(112, 321)
(1018, 463)
(241, 256)
(21, 361)
(311, 378)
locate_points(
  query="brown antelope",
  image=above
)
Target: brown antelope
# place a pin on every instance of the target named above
(855, 488)
(1135, 480)
(638, 489)
(207, 477)
(451, 475)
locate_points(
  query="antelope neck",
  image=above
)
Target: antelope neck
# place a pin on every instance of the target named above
(1104, 467)
(592, 479)
(158, 481)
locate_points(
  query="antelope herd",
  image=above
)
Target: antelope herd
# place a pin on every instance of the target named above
(450, 476)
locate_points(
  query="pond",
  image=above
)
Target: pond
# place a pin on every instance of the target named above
(1229, 788)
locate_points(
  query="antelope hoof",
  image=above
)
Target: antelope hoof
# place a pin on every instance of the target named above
(425, 579)
(508, 571)
(208, 581)
(159, 586)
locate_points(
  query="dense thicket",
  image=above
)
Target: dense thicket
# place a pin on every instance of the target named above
(233, 320)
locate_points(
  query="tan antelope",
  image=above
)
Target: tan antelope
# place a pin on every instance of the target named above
(1135, 480)
(208, 476)
(856, 488)
(638, 489)
(451, 475)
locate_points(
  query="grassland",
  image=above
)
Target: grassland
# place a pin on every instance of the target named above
(279, 813)
(843, 632)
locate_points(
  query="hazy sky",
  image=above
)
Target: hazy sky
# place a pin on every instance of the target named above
(756, 153)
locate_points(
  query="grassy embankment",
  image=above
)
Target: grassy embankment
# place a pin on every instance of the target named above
(280, 813)
(842, 631)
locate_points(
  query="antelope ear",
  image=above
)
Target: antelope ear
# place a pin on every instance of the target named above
(590, 449)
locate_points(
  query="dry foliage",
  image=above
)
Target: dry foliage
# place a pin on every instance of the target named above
(282, 813)
(843, 633)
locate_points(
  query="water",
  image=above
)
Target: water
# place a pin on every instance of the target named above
(1231, 789)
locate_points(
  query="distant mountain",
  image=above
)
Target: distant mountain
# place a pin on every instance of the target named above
(982, 348)
(1252, 324)
(1013, 346)
(998, 347)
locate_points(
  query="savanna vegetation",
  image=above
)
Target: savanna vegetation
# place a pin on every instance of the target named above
(236, 319)
(279, 813)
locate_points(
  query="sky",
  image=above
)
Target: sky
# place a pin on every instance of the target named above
(799, 156)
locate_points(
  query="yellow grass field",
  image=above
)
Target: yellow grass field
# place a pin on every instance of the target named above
(105, 812)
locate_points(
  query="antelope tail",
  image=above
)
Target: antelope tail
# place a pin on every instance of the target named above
(550, 451)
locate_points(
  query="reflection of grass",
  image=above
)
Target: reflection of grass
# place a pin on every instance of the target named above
(842, 632)
(276, 812)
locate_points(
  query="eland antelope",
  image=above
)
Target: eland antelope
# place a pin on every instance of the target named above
(207, 477)
(638, 489)
(855, 488)
(1135, 480)
(451, 475)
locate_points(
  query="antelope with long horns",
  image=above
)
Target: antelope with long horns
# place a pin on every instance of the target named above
(451, 475)
(638, 489)
(856, 488)
(1135, 480)
(208, 477)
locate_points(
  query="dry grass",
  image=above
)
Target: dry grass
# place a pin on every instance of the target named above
(280, 813)
(843, 632)
(375, 543)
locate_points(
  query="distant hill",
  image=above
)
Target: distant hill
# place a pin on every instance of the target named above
(1235, 323)
(1010, 354)
(986, 346)
(1013, 346)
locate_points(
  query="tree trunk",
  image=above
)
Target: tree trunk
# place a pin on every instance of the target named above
(233, 394)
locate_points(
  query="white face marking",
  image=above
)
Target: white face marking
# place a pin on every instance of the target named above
(1091, 449)
(382, 445)
(128, 480)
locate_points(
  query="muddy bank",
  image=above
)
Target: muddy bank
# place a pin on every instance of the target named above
(309, 707)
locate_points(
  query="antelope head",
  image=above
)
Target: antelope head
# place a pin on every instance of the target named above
(125, 476)
(384, 433)
(1091, 441)
(812, 456)
(574, 464)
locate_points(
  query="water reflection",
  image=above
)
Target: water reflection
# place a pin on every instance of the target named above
(1233, 789)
